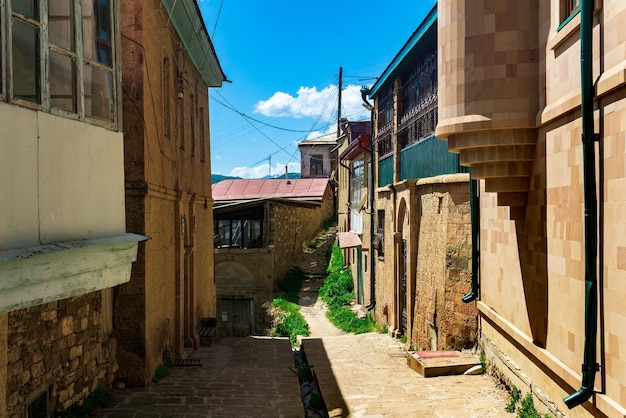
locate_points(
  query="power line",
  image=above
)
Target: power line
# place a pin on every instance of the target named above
(256, 120)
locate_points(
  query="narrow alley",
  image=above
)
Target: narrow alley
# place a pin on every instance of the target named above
(362, 375)
(359, 375)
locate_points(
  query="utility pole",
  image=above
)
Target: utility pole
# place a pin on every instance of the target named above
(339, 102)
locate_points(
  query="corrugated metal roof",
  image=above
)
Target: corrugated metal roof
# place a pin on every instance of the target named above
(328, 139)
(250, 189)
(348, 239)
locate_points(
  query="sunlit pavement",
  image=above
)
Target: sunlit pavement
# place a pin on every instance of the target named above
(360, 376)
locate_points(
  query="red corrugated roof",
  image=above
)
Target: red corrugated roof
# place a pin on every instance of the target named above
(250, 189)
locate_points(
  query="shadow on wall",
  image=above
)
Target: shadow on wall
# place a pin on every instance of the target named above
(532, 245)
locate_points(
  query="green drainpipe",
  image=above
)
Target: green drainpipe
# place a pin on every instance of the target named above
(475, 221)
(590, 366)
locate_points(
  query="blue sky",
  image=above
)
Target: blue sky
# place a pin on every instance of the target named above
(283, 58)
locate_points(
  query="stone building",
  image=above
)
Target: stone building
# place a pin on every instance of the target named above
(261, 226)
(353, 198)
(422, 252)
(64, 248)
(168, 66)
(536, 105)
(318, 157)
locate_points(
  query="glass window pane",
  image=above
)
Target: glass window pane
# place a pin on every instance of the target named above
(99, 101)
(97, 30)
(60, 23)
(62, 82)
(26, 80)
(27, 8)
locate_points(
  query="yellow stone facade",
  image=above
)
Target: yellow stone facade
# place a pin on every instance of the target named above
(509, 101)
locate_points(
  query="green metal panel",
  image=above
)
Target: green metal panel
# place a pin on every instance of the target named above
(429, 158)
(385, 171)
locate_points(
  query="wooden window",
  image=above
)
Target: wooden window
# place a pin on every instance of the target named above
(192, 137)
(180, 121)
(62, 71)
(317, 164)
(379, 237)
(25, 43)
(42, 64)
(201, 133)
(98, 59)
(166, 97)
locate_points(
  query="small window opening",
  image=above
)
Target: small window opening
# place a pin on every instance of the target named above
(39, 407)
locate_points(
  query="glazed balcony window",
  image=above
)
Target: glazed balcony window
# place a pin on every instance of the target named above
(47, 71)
(238, 233)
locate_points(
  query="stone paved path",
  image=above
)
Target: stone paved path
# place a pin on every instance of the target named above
(239, 377)
(359, 375)
(367, 376)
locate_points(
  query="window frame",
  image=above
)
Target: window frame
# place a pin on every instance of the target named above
(319, 164)
(80, 62)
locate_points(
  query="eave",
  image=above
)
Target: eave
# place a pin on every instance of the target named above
(407, 50)
(36, 275)
(187, 19)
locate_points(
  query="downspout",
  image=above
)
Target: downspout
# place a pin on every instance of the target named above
(364, 92)
(589, 366)
(475, 221)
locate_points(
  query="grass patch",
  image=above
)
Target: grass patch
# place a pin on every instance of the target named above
(510, 407)
(313, 245)
(526, 407)
(288, 321)
(338, 293)
(160, 372)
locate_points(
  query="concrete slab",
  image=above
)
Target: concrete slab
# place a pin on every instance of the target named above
(441, 363)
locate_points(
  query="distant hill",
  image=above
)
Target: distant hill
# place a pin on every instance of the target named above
(218, 177)
(282, 176)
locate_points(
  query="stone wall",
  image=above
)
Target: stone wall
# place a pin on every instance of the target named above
(60, 347)
(291, 228)
(444, 269)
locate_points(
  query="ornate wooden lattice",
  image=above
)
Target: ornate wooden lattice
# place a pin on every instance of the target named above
(419, 118)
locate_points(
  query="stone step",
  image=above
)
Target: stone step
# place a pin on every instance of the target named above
(441, 363)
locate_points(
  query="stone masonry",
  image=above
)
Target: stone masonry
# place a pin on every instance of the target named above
(444, 269)
(58, 347)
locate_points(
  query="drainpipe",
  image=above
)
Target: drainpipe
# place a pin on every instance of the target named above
(589, 366)
(364, 92)
(475, 221)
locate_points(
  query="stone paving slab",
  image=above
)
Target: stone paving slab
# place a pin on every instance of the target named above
(362, 376)
(359, 376)
(239, 377)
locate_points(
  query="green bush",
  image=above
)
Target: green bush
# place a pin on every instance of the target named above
(338, 293)
(160, 372)
(290, 322)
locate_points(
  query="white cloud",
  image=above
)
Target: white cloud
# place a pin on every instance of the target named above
(217, 156)
(263, 170)
(309, 102)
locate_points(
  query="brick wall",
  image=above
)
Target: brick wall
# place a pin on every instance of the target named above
(58, 347)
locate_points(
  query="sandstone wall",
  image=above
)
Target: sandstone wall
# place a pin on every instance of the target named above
(444, 269)
(291, 228)
(63, 347)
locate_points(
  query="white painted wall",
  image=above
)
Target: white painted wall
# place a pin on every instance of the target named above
(60, 179)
